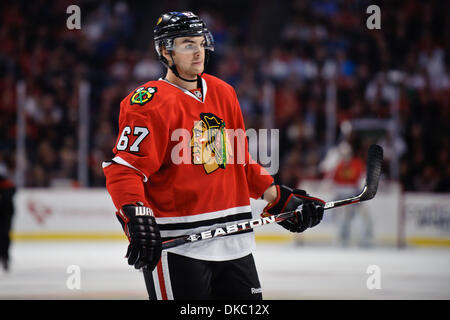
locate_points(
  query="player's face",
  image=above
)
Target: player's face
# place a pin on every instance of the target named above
(189, 55)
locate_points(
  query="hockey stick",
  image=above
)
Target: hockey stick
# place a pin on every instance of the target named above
(374, 164)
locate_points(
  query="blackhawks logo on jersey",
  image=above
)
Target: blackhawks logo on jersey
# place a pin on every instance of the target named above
(143, 95)
(209, 143)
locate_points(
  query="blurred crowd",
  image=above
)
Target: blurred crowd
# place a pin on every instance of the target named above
(300, 49)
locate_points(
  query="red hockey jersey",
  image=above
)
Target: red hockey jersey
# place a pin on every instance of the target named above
(191, 152)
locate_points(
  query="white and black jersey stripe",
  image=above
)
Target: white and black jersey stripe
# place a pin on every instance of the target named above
(230, 247)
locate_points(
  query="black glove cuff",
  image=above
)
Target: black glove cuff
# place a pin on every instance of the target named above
(283, 194)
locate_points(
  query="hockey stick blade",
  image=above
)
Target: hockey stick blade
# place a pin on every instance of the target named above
(374, 164)
(373, 172)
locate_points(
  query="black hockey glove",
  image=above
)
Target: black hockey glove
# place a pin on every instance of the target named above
(138, 222)
(291, 199)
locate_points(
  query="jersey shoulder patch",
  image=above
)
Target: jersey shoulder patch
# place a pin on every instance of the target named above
(142, 95)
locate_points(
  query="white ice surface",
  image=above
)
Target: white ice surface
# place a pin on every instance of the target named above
(39, 271)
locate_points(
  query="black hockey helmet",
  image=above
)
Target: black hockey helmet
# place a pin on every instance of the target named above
(173, 25)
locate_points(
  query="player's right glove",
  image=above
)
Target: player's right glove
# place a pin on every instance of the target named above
(310, 209)
(138, 222)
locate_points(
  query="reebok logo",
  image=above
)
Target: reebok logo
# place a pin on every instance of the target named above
(256, 290)
(143, 211)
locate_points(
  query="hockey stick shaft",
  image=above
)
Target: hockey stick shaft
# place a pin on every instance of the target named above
(247, 225)
(229, 229)
(374, 163)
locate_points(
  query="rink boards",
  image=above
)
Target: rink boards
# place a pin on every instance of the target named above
(393, 218)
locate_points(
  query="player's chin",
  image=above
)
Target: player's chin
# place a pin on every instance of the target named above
(197, 68)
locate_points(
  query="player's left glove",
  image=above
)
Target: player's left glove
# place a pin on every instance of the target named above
(311, 208)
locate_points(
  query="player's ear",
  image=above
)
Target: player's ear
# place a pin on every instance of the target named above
(166, 54)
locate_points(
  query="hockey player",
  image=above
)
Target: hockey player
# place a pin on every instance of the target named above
(175, 172)
(7, 191)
